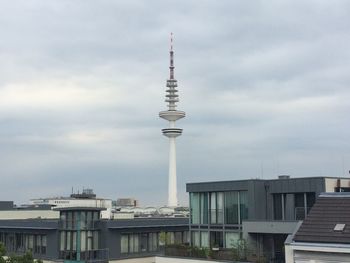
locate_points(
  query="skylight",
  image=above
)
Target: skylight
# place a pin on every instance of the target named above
(339, 227)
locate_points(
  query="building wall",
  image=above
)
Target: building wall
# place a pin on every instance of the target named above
(317, 254)
(26, 214)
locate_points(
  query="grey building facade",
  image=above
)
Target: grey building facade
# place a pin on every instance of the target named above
(260, 212)
(81, 235)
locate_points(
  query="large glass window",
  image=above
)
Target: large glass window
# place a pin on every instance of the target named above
(216, 207)
(277, 207)
(220, 208)
(83, 240)
(43, 244)
(216, 239)
(195, 238)
(231, 207)
(195, 208)
(153, 241)
(62, 239)
(144, 241)
(204, 239)
(95, 240)
(134, 243)
(213, 208)
(124, 244)
(204, 208)
(231, 239)
(310, 200)
(243, 205)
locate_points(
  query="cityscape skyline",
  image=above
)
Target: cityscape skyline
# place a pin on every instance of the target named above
(265, 87)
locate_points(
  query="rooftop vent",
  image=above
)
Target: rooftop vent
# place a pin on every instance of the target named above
(283, 177)
(339, 227)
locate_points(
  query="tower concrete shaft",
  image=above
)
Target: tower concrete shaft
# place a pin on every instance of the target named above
(172, 115)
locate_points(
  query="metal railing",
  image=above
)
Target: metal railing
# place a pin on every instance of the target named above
(74, 224)
(97, 255)
(301, 212)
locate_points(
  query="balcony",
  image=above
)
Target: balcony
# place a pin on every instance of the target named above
(91, 256)
(301, 212)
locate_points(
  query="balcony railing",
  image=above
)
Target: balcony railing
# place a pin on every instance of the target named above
(97, 255)
(301, 212)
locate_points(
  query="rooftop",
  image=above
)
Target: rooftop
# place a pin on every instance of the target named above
(328, 220)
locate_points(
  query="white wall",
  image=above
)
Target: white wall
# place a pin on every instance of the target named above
(162, 260)
(26, 214)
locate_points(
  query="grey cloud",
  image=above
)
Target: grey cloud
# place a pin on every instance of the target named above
(263, 85)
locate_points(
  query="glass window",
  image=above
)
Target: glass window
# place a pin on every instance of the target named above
(43, 244)
(37, 248)
(299, 200)
(144, 241)
(231, 207)
(195, 239)
(220, 208)
(89, 240)
(153, 241)
(69, 240)
(31, 242)
(96, 214)
(243, 205)
(310, 200)
(62, 240)
(170, 237)
(83, 219)
(277, 206)
(185, 236)
(231, 239)
(204, 239)
(178, 237)
(135, 243)
(69, 220)
(124, 244)
(194, 202)
(95, 237)
(213, 208)
(74, 241)
(216, 239)
(204, 208)
(83, 240)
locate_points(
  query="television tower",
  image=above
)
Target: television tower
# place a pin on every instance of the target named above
(172, 115)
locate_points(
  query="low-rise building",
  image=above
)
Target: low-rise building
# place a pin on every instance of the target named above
(260, 212)
(80, 234)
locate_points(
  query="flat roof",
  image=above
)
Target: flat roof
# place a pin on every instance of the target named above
(266, 180)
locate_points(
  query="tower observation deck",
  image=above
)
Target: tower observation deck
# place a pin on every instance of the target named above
(172, 115)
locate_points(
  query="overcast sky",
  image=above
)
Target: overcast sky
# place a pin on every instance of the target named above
(265, 86)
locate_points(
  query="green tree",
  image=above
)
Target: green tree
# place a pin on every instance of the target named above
(26, 258)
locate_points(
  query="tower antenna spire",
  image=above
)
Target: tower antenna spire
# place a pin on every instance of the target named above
(172, 115)
(171, 56)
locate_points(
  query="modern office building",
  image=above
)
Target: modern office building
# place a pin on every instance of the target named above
(80, 234)
(261, 212)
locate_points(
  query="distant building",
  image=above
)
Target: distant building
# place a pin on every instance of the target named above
(85, 199)
(261, 212)
(324, 236)
(79, 234)
(129, 202)
(6, 205)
